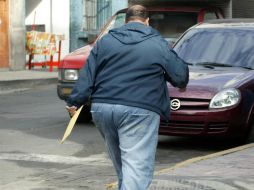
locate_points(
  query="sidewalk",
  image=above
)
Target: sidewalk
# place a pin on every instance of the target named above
(21, 80)
(232, 169)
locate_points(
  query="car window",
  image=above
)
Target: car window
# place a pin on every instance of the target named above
(117, 21)
(226, 46)
(120, 20)
(210, 16)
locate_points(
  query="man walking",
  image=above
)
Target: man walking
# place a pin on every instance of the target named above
(125, 77)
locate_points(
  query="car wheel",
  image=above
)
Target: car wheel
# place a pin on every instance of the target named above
(85, 115)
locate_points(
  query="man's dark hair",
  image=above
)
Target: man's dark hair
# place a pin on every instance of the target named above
(136, 12)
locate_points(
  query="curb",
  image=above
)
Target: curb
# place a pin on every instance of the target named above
(26, 83)
(201, 158)
(193, 160)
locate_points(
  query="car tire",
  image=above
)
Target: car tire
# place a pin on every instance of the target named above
(85, 115)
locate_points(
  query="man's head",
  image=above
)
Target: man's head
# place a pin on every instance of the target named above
(137, 13)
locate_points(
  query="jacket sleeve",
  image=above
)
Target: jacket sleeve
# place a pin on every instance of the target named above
(176, 70)
(84, 86)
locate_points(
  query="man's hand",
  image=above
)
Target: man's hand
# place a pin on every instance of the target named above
(72, 110)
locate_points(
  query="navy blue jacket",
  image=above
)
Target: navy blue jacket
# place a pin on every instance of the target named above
(130, 66)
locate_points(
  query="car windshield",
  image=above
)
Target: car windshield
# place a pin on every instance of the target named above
(170, 24)
(218, 47)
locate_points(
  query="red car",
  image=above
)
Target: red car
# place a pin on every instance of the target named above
(219, 99)
(170, 21)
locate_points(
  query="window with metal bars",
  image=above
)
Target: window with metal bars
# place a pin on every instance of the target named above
(96, 14)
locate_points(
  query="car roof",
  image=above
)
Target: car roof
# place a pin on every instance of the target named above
(227, 23)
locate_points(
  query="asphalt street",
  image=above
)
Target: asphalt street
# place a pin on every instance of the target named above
(32, 123)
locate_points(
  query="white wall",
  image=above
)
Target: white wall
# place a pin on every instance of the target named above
(59, 20)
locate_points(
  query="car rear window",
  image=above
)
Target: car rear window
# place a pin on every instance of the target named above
(172, 24)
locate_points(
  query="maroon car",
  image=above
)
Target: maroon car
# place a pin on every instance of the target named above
(219, 98)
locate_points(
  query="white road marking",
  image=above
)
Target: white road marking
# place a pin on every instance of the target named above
(98, 159)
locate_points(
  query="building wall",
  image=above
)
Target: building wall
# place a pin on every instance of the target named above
(87, 17)
(117, 5)
(231, 8)
(12, 35)
(4, 37)
(54, 15)
(104, 12)
(76, 19)
(17, 59)
(225, 5)
(243, 8)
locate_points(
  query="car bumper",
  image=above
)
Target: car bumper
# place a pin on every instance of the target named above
(205, 123)
(64, 90)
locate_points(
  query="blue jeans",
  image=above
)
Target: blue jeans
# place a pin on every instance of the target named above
(131, 136)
